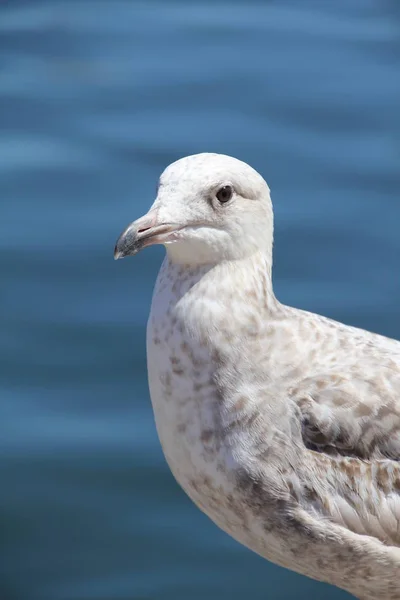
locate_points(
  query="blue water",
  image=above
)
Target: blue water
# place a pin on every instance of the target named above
(96, 98)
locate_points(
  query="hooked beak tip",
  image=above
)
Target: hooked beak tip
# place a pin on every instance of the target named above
(133, 238)
(119, 250)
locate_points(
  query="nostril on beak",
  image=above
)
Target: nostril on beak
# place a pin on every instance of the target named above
(144, 228)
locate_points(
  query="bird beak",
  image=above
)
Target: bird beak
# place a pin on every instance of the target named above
(143, 232)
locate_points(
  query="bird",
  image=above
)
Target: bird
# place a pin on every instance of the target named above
(283, 426)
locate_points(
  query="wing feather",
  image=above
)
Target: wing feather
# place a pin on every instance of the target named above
(350, 424)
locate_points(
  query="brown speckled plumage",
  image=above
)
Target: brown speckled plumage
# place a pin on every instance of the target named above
(281, 425)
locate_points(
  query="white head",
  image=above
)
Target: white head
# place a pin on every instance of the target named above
(209, 208)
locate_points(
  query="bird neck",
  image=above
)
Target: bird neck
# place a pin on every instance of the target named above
(230, 285)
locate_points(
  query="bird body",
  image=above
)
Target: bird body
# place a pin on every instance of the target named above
(281, 425)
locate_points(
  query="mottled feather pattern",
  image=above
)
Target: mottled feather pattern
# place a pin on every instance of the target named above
(313, 460)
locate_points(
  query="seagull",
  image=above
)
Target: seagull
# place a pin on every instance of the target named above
(281, 425)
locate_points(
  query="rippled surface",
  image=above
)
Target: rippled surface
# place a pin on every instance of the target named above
(96, 99)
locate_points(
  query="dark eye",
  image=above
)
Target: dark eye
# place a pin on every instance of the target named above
(224, 194)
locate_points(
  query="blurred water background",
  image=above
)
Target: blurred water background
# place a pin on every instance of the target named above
(96, 98)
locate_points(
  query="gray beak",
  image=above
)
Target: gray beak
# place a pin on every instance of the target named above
(141, 233)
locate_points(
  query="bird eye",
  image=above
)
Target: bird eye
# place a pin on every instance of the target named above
(224, 194)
